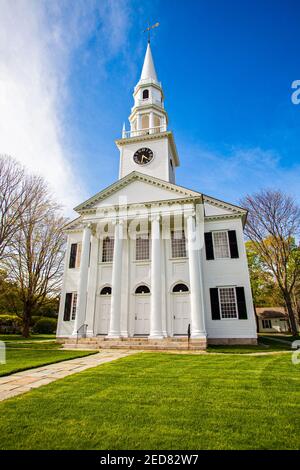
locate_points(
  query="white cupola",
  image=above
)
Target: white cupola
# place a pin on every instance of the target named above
(148, 147)
(148, 115)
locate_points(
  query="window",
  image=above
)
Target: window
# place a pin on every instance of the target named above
(106, 290)
(145, 94)
(70, 306)
(74, 306)
(75, 255)
(180, 288)
(108, 250)
(178, 244)
(142, 248)
(266, 324)
(228, 302)
(221, 246)
(142, 290)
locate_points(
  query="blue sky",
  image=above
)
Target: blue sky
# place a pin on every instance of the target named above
(226, 68)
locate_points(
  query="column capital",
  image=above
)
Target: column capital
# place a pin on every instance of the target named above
(155, 217)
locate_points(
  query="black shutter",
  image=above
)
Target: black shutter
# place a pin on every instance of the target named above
(68, 302)
(241, 302)
(234, 251)
(73, 253)
(214, 302)
(209, 248)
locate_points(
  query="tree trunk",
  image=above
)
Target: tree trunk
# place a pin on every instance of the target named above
(289, 306)
(26, 321)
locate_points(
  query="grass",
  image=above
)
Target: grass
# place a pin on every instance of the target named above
(21, 338)
(26, 354)
(265, 344)
(162, 401)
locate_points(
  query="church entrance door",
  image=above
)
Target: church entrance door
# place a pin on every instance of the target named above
(142, 314)
(103, 316)
(181, 313)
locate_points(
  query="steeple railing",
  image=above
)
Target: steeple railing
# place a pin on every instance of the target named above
(142, 132)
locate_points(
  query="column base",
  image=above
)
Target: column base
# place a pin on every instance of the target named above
(156, 336)
(198, 335)
(114, 335)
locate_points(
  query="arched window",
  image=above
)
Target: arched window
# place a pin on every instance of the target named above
(105, 290)
(142, 290)
(145, 94)
(180, 288)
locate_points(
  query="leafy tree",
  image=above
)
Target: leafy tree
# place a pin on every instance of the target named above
(272, 226)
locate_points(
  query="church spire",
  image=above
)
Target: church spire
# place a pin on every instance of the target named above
(148, 71)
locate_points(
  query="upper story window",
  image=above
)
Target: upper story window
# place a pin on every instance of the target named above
(142, 252)
(178, 244)
(70, 306)
(108, 250)
(75, 254)
(221, 245)
(145, 94)
(228, 302)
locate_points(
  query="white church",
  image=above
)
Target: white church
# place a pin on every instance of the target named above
(150, 263)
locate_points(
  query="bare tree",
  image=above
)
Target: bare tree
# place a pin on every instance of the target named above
(272, 225)
(35, 262)
(15, 196)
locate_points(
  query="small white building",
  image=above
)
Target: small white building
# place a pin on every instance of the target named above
(150, 259)
(272, 320)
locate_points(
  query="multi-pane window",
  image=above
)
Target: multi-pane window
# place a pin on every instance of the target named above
(142, 248)
(74, 306)
(108, 250)
(70, 306)
(221, 245)
(228, 302)
(267, 324)
(178, 244)
(75, 255)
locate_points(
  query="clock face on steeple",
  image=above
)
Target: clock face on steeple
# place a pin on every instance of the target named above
(143, 156)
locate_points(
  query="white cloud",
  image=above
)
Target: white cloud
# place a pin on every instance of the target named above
(241, 170)
(37, 41)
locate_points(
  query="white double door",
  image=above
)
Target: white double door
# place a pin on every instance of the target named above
(181, 313)
(103, 314)
(142, 314)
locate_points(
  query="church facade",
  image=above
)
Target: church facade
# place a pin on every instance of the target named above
(147, 258)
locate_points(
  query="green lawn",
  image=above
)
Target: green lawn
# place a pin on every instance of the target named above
(162, 401)
(26, 354)
(30, 339)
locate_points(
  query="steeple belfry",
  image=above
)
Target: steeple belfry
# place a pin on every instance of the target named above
(148, 146)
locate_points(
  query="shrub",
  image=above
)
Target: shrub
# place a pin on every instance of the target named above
(45, 326)
(10, 324)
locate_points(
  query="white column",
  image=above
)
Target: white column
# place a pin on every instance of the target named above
(197, 312)
(151, 123)
(83, 279)
(115, 311)
(138, 123)
(92, 286)
(155, 313)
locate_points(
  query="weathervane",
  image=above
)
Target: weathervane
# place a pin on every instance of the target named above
(149, 29)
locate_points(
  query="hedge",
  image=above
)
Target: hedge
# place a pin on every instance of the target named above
(10, 324)
(45, 325)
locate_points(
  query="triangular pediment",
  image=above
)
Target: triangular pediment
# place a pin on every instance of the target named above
(136, 188)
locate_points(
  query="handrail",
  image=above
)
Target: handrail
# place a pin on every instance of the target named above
(84, 326)
(141, 132)
(189, 335)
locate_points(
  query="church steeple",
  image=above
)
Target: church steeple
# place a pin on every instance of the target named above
(148, 70)
(148, 146)
(148, 115)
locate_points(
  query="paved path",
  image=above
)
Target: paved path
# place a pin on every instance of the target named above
(22, 382)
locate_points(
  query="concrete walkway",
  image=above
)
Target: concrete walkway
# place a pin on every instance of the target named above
(22, 382)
